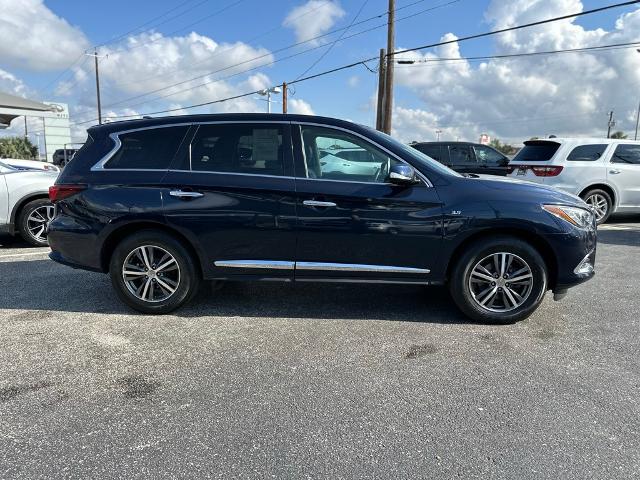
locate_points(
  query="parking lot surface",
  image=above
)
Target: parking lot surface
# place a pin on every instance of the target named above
(317, 380)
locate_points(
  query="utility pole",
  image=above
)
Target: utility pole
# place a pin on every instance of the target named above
(438, 132)
(388, 84)
(381, 81)
(610, 124)
(284, 97)
(26, 131)
(95, 57)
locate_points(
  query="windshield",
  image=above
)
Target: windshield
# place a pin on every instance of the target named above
(416, 155)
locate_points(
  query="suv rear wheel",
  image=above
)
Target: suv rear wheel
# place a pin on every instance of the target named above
(153, 272)
(601, 203)
(33, 221)
(499, 280)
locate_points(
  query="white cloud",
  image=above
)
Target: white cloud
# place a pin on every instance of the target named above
(33, 37)
(514, 99)
(297, 105)
(353, 81)
(11, 84)
(313, 18)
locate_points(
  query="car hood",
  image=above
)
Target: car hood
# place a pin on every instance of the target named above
(542, 193)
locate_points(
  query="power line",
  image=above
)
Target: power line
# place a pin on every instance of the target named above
(333, 44)
(362, 62)
(433, 61)
(520, 27)
(274, 52)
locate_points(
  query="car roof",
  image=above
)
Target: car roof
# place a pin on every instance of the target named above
(450, 143)
(219, 117)
(583, 140)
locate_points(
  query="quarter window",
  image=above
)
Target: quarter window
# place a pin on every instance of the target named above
(334, 155)
(149, 149)
(238, 148)
(587, 153)
(627, 154)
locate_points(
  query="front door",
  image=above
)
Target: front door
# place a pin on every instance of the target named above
(624, 172)
(352, 223)
(489, 161)
(231, 193)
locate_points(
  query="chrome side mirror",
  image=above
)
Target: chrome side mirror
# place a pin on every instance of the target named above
(401, 174)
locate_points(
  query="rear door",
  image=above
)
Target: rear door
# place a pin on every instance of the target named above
(436, 151)
(358, 226)
(624, 172)
(231, 192)
(462, 158)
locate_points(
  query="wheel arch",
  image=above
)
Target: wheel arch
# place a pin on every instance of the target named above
(602, 186)
(535, 240)
(123, 231)
(20, 204)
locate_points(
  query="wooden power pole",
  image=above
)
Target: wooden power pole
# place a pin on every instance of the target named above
(284, 97)
(388, 84)
(381, 81)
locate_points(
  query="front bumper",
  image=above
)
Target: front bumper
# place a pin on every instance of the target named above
(575, 254)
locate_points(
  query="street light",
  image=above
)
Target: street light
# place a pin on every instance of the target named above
(267, 92)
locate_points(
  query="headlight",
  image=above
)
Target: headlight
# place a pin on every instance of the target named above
(576, 216)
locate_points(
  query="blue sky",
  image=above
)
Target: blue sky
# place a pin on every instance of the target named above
(463, 99)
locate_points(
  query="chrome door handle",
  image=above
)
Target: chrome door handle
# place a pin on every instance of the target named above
(315, 203)
(614, 172)
(183, 194)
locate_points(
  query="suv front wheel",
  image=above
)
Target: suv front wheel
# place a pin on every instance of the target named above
(499, 280)
(153, 272)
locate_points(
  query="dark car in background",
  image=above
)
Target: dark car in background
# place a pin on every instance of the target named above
(62, 156)
(162, 204)
(464, 157)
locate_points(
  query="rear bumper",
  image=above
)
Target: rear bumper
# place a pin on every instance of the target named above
(57, 257)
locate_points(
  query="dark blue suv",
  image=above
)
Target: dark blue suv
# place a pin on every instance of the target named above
(164, 203)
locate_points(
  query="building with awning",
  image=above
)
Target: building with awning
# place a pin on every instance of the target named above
(56, 132)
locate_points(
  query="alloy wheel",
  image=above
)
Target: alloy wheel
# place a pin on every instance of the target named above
(38, 221)
(151, 273)
(599, 205)
(501, 282)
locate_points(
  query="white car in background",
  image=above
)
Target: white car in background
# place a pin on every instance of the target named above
(30, 164)
(604, 172)
(24, 203)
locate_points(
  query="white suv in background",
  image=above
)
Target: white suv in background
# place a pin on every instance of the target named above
(603, 172)
(24, 203)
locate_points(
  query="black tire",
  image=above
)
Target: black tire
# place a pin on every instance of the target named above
(461, 289)
(42, 205)
(590, 195)
(187, 285)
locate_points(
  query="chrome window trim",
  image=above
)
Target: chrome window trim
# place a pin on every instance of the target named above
(230, 173)
(366, 139)
(270, 264)
(318, 266)
(115, 136)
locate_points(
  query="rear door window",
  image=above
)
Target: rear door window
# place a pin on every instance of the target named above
(433, 151)
(536, 151)
(238, 148)
(460, 154)
(627, 154)
(587, 153)
(149, 149)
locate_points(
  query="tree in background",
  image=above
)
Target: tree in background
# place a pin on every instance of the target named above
(504, 148)
(17, 147)
(619, 135)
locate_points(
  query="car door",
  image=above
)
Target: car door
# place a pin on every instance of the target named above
(231, 191)
(462, 158)
(624, 172)
(436, 151)
(4, 197)
(490, 161)
(353, 226)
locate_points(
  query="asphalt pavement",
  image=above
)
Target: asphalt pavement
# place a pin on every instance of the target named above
(317, 380)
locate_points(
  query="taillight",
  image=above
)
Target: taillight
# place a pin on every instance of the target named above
(60, 192)
(546, 171)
